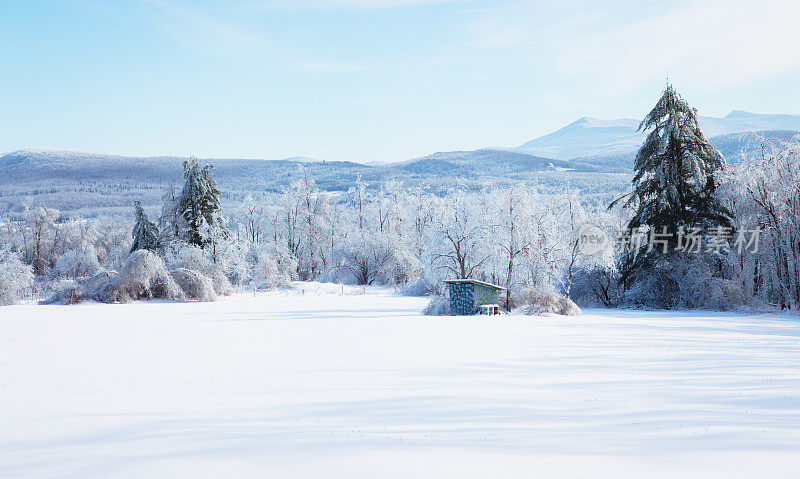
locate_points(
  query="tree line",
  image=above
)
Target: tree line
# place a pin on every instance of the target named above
(518, 236)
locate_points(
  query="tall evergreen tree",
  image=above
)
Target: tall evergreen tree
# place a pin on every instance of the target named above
(673, 184)
(145, 233)
(199, 202)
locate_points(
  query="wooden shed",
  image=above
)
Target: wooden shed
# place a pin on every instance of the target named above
(468, 295)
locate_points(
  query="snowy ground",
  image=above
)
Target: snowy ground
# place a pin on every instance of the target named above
(323, 385)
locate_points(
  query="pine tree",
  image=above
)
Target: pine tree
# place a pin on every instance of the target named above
(199, 202)
(673, 184)
(145, 233)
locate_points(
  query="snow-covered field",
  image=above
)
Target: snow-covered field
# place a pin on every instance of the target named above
(319, 384)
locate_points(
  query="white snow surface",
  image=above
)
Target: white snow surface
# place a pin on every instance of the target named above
(315, 383)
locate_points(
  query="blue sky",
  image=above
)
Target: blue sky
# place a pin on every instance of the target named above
(372, 80)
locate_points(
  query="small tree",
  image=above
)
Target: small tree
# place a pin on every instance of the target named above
(459, 244)
(171, 224)
(15, 278)
(673, 185)
(145, 233)
(199, 202)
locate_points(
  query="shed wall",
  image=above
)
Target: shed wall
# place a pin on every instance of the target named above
(462, 299)
(484, 295)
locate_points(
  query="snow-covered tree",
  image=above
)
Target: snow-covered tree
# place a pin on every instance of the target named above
(15, 278)
(39, 236)
(264, 270)
(171, 225)
(420, 207)
(306, 212)
(199, 202)
(763, 193)
(459, 245)
(514, 232)
(77, 263)
(145, 233)
(366, 259)
(144, 276)
(673, 184)
(252, 216)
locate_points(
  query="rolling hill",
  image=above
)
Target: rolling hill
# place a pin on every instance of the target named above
(87, 183)
(590, 154)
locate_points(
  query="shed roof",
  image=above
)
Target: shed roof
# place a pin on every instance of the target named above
(475, 281)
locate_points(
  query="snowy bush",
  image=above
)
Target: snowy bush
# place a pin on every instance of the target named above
(185, 256)
(364, 260)
(541, 302)
(264, 271)
(595, 287)
(144, 276)
(77, 263)
(66, 292)
(438, 306)
(685, 283)
(75, 291)
(424, 286)
(221, 284)
(232, 261)
(116, 258)
(15, 278)
(194, 285)
(100, 279)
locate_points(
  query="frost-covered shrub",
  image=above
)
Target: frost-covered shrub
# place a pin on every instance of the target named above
(422, 287)
(67, 292)
(75, 291)
(113, 235)
(541, 302)
(144, 276)
(430, 283)
(406, 267)
(265, 272)
(685, 283)
(77, 263)
(194, 285)
(595, 287)
(189, 257)
(221, 284)
(369, 259)
(116, 258)
(232, 263)
(15, 278)
(195, 259)
(287, 264)
(438, 306)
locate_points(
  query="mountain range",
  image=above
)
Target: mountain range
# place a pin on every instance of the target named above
(590, 154)
(604, 142)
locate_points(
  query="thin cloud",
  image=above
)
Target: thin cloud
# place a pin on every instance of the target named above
(622, 46)
(345, 4)
(208, 32)
(205, 32)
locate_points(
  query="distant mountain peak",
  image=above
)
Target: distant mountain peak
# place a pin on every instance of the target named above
(734, 114)
(587, 138)
(589, 122)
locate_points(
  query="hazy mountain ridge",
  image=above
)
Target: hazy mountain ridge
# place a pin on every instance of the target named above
(586, 136)
(489, 162)
(608, 142)
(88, 183)
(606, 149)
